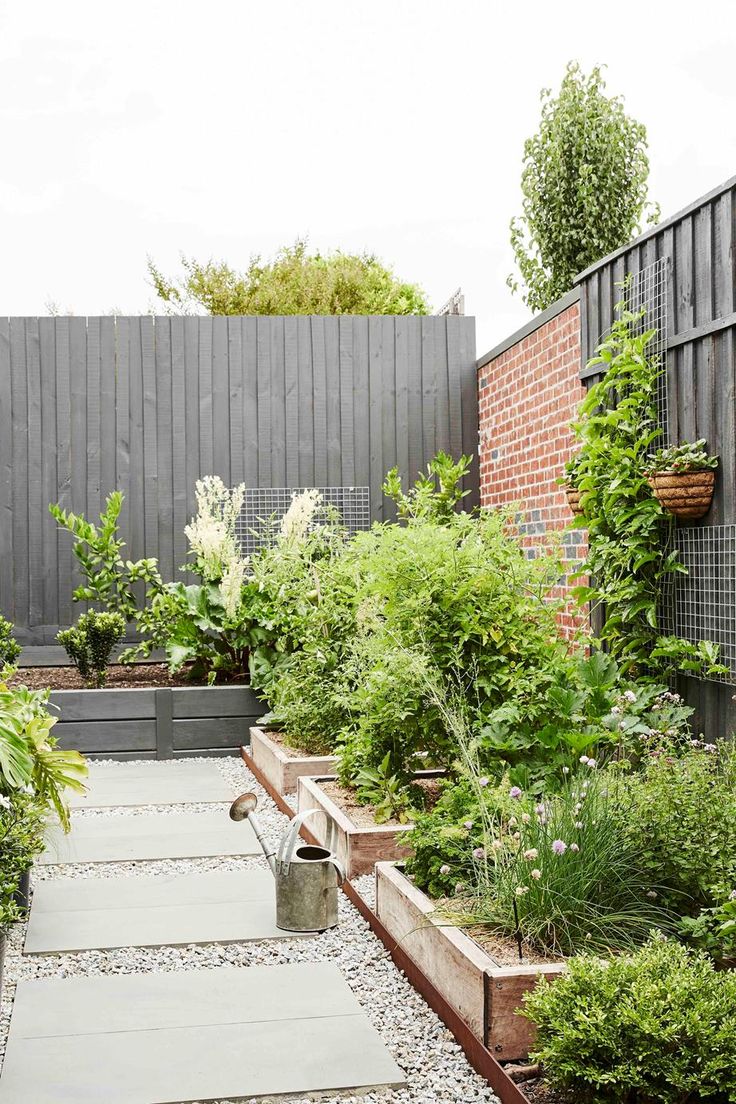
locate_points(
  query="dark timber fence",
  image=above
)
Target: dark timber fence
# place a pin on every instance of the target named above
(698, 246)
(148, 405)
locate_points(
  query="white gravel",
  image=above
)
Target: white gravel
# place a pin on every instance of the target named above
(435, 1066)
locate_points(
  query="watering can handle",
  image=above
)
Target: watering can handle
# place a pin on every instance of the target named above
(288, 841)
(340, 870)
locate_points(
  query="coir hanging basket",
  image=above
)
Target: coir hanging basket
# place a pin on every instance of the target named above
(685, 494)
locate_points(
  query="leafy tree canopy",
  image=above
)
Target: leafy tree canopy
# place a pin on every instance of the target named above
(295, 282)
(584, 184)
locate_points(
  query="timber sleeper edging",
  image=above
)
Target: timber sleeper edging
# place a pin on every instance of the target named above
(155, 722)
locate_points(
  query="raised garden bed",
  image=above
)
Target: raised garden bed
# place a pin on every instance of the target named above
(284, 766)
(358, 846)
(483, 993)
(155, 722)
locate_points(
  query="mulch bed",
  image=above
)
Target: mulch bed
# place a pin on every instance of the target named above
(147, 675)
(537, 1091)
(363, 816)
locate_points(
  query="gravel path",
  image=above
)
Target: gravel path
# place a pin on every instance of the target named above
(436, 1069)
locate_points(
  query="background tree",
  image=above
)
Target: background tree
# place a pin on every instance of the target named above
(584, 184)
(295, 282)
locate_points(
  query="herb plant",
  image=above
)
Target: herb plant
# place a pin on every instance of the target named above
(681, 820)
(657, 1025)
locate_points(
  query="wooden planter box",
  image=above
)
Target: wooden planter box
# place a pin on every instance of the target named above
(359, 849)
(282, 770)
(148, 723)
(484, 994)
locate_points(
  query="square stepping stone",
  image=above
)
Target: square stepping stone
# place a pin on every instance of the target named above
(152, 783)
(98, 839)
(80, 914)
(205, 1035)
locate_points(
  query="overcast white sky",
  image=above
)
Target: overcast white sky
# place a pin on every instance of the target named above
(227, 128)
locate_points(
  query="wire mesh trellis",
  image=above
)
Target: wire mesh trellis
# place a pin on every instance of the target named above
(264, 507)
(646, 291)
(702, 604)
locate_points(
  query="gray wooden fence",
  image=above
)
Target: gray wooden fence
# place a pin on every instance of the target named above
(148, 405)
(699, 248)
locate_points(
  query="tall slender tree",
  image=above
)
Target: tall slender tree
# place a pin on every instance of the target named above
(584, 186)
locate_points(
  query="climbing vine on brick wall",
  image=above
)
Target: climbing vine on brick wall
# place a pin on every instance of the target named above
(629, 563)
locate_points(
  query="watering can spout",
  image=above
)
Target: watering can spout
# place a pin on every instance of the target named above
(243, 808)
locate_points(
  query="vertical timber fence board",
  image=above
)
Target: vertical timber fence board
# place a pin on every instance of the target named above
(699, 246)
(149, 405)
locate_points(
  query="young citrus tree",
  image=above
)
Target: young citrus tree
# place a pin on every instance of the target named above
(584, 185)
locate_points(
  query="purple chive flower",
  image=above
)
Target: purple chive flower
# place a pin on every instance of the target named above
(467, 824)
(515, 792)
(483, 781)
(479, 853)
(444, 869)
(559, 847)
(574, 847)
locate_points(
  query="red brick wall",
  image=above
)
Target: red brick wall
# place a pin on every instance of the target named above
(527, 395)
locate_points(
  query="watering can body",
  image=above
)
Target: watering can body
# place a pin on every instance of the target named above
(307, 881)
(307, 876)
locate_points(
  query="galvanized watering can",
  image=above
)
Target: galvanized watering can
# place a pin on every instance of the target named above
(307, 877)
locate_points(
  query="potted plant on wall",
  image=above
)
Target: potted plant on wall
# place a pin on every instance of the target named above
(570, 482)
(682, 478)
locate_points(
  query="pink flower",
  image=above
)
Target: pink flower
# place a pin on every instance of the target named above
(559, 847)
(479, 853)
(468, 824)
(515, 792)
(483, 781)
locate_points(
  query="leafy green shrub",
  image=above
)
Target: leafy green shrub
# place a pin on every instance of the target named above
(459, 598)
(658, 1025)
(681, 818)
(21, 841)
(90, 642)
(302, 602)
(9, 646)
(294, 282)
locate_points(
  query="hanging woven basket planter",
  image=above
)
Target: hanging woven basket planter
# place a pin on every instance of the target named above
(686, 494)
(573, 499)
